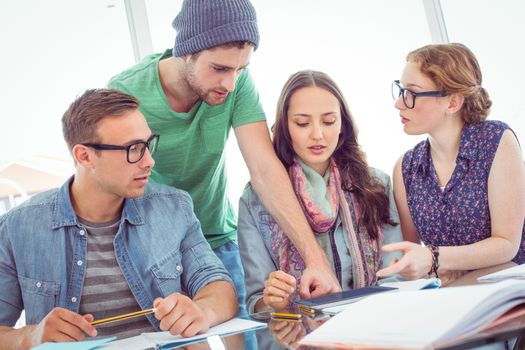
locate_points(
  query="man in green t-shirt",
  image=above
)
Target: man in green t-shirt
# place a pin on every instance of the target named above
(192, 95)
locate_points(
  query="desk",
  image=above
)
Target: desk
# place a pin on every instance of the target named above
(291, 334)
(285, 334)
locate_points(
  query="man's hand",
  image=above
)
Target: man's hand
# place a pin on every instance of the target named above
(178, 314)
(278, 288)
(60, 325)
(318, 280)
(415, 263)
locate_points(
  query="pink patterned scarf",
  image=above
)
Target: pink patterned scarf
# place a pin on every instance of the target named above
(364, 264)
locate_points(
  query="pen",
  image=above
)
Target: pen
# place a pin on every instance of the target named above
(285, 316)
(123, 317)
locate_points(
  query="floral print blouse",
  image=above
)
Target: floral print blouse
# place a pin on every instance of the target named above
(459, 214)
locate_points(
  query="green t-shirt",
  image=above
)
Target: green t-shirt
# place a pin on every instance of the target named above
(191, 155)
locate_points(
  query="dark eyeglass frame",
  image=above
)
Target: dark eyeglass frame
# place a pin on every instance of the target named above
(396, 83)
(153, 140)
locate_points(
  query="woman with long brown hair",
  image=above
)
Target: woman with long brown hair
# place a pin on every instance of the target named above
(347, 204)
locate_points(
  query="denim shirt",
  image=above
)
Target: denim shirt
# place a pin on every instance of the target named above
(256, 247)
(159, 247)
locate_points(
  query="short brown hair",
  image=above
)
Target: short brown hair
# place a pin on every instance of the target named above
(455, 70)
(79, 122)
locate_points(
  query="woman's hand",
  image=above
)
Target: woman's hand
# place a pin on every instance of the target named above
(415, 263)
(278, 289)
(287, 333)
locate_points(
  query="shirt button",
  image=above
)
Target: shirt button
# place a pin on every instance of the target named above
(74, 299)
(81, 232)
(178, 268)
(38, 284)
(79, 263)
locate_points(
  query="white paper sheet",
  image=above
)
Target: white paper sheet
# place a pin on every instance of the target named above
(230, 327)
(151, 340)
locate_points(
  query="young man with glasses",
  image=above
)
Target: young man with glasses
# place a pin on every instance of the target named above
(192, 95)
(108, 243)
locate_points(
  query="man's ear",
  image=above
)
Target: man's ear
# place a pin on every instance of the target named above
(82, 155)
(455, 102)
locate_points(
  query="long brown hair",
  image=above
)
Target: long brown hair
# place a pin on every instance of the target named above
(351, 160)
(455, 69)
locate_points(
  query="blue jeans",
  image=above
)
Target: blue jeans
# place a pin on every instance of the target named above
(228, 253)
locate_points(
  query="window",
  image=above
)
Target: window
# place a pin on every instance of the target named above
(56, 49)
(52, 51)
(495, 34)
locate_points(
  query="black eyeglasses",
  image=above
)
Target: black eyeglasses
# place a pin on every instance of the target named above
(134, 152)
(409, 96)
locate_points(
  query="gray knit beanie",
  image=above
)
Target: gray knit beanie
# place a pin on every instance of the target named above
(203, 24)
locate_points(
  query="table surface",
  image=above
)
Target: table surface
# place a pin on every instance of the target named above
(286, 334)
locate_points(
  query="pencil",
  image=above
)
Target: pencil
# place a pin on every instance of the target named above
(285, 316)
(123, 317)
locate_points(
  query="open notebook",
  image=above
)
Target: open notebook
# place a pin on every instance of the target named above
(418, 319)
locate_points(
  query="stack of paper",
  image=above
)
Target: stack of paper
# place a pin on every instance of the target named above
(418, 319)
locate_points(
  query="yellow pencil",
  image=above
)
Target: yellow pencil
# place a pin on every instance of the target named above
(285, 316)
(123, 317)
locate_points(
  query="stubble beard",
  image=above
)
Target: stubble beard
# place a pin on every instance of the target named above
(198, 90)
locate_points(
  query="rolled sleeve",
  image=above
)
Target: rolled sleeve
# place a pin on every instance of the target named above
(200, 265)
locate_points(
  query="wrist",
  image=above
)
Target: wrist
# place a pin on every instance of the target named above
(434, 253)
(209, 314)
(261, 306)
(313, 255)
(316, 259)
(26, 343)
(21, 338)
